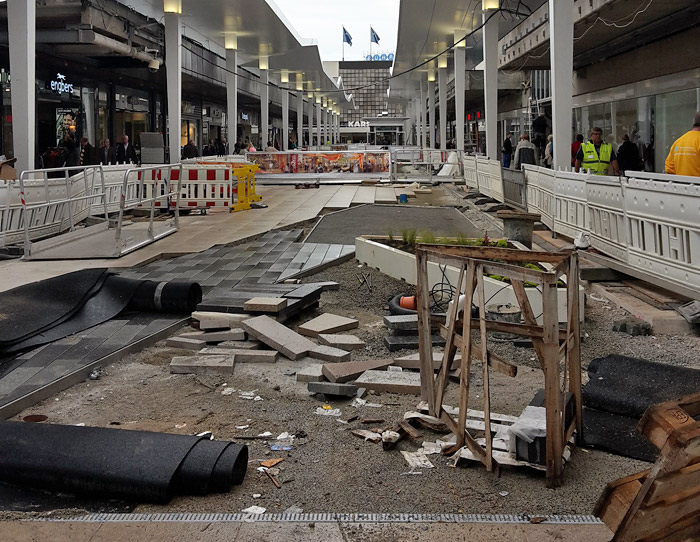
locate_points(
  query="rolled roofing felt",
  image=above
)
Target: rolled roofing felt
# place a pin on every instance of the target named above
(133, 465)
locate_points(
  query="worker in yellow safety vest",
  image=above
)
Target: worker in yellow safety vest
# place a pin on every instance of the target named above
(597, 156)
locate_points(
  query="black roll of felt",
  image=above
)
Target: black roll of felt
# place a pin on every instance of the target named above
(175, 297)
(133, 465)
(629, 386)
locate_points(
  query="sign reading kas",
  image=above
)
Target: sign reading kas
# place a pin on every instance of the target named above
(358, 124)
(60, 84)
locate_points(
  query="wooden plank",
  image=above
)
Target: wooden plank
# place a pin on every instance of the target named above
(686, 479)
(618, 503)
(660, 421)
(449, 353)
(528, 316)
(574, 343)
(425, 345)
(518, 329)
(665, 514)
(493, 253)
(410, 430)
(485, 368)
(495, 362)
(553, 396)
(466, 357)
(687, 530)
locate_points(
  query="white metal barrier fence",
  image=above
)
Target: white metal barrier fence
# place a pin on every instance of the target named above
(647, 221)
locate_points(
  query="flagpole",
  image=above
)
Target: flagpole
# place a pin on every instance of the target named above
(370, 42)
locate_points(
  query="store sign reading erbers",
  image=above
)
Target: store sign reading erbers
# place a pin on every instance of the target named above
(60, 84)
(358, 124)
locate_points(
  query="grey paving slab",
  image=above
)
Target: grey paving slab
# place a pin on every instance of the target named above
(327, 323)
(278, 337)
(344, 226)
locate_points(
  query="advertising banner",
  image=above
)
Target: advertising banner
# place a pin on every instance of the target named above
(322, 162)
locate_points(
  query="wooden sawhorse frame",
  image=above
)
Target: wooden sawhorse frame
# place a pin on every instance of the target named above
(558, 350)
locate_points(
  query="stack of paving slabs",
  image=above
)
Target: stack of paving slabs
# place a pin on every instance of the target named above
(404, 333)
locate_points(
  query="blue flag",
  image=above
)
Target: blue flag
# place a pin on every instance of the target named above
(373, 36)
(347, 38)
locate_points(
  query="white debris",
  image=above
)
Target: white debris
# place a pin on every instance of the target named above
(417, 460)
(227, 391)
(332, 412)
(254, 510)
(357, 403)
(265, 434)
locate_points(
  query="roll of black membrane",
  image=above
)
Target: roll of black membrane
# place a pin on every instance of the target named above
(132, 465)
(177, 297)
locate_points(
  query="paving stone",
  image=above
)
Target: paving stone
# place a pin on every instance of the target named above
(332, 388)
(278, 337)
(345, 372)
(345, 342)
(218, 320)
(265, 304)
(242, 355)
(311, 373)
(247, 345)
(402, 342)
(402, 322)
(632, 326)
(390, 381)
(327, 323)
(236, 334)
(328, 353)
(202, 365)
(412, 361)
(186, 343)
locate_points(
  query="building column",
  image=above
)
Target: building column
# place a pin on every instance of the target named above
(460, 65)
(318, 123)
(421, 114)
(232, 97)
(285, 120)
(300, 118)
(173, 68)
(491, 81)
(431, 113)
(442, 98)
(561, 32)
(264, 109)
(21, 22)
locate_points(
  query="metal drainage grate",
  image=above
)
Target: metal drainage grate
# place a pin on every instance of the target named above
(337, 518)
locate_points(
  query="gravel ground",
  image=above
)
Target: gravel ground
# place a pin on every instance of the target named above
(330, 470)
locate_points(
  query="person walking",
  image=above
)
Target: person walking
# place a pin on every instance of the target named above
(126, 153)
(549, 152)
(87, 153)
(597, 156)
(525, 153)
(507, 150)
(190, 150)
(628, 156)
(684, 155)
(105, 154)
(575, 146)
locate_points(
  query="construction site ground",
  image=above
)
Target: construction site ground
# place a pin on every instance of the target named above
(329, 469)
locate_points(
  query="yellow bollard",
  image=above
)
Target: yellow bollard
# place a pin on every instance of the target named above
(245, 176)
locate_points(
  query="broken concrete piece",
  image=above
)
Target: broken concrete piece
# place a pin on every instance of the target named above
(236, 334)
(632, 326)
(401, 342)
(248, 345)
(327, 323)
(345, 342)
(185, 343)
(328, 353)
(278, 337)
(417, 460)
(265, 304)
(202, 365)
(311, 373)
(243, 355)
(390, 382)
(218, 320)
(333, 388)
(345, 372)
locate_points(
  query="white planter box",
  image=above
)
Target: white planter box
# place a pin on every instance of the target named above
(402, 265)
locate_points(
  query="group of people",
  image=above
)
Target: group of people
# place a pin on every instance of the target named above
(217, 147)
(85, 154)
(599, 158)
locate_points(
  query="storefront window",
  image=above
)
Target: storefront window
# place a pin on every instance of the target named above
(674, 117)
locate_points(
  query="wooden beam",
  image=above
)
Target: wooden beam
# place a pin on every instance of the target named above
(425, 345)
(574, 342)
(466, 355)
(485, 369)
(494, 253)
(495, 362)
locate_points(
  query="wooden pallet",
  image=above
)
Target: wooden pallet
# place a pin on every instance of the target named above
(661, 504)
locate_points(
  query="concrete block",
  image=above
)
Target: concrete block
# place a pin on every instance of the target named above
(311, 373)
(328, 353)
(278, 337)
(218, 320)
(402, 322)
(412, 361)
(327, 323)
(243, 355)
(265, 304)
(236, 334)
(332, 388)
(185, 343)
(202, 365)
(248, 345)
(402, 342)
(391, 382)
(345, 342)
(345, 372)
(632, 326)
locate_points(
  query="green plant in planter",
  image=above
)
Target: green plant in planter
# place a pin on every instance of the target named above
(390, 234)
(427, 237)
(502, 243)
(408, 236)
